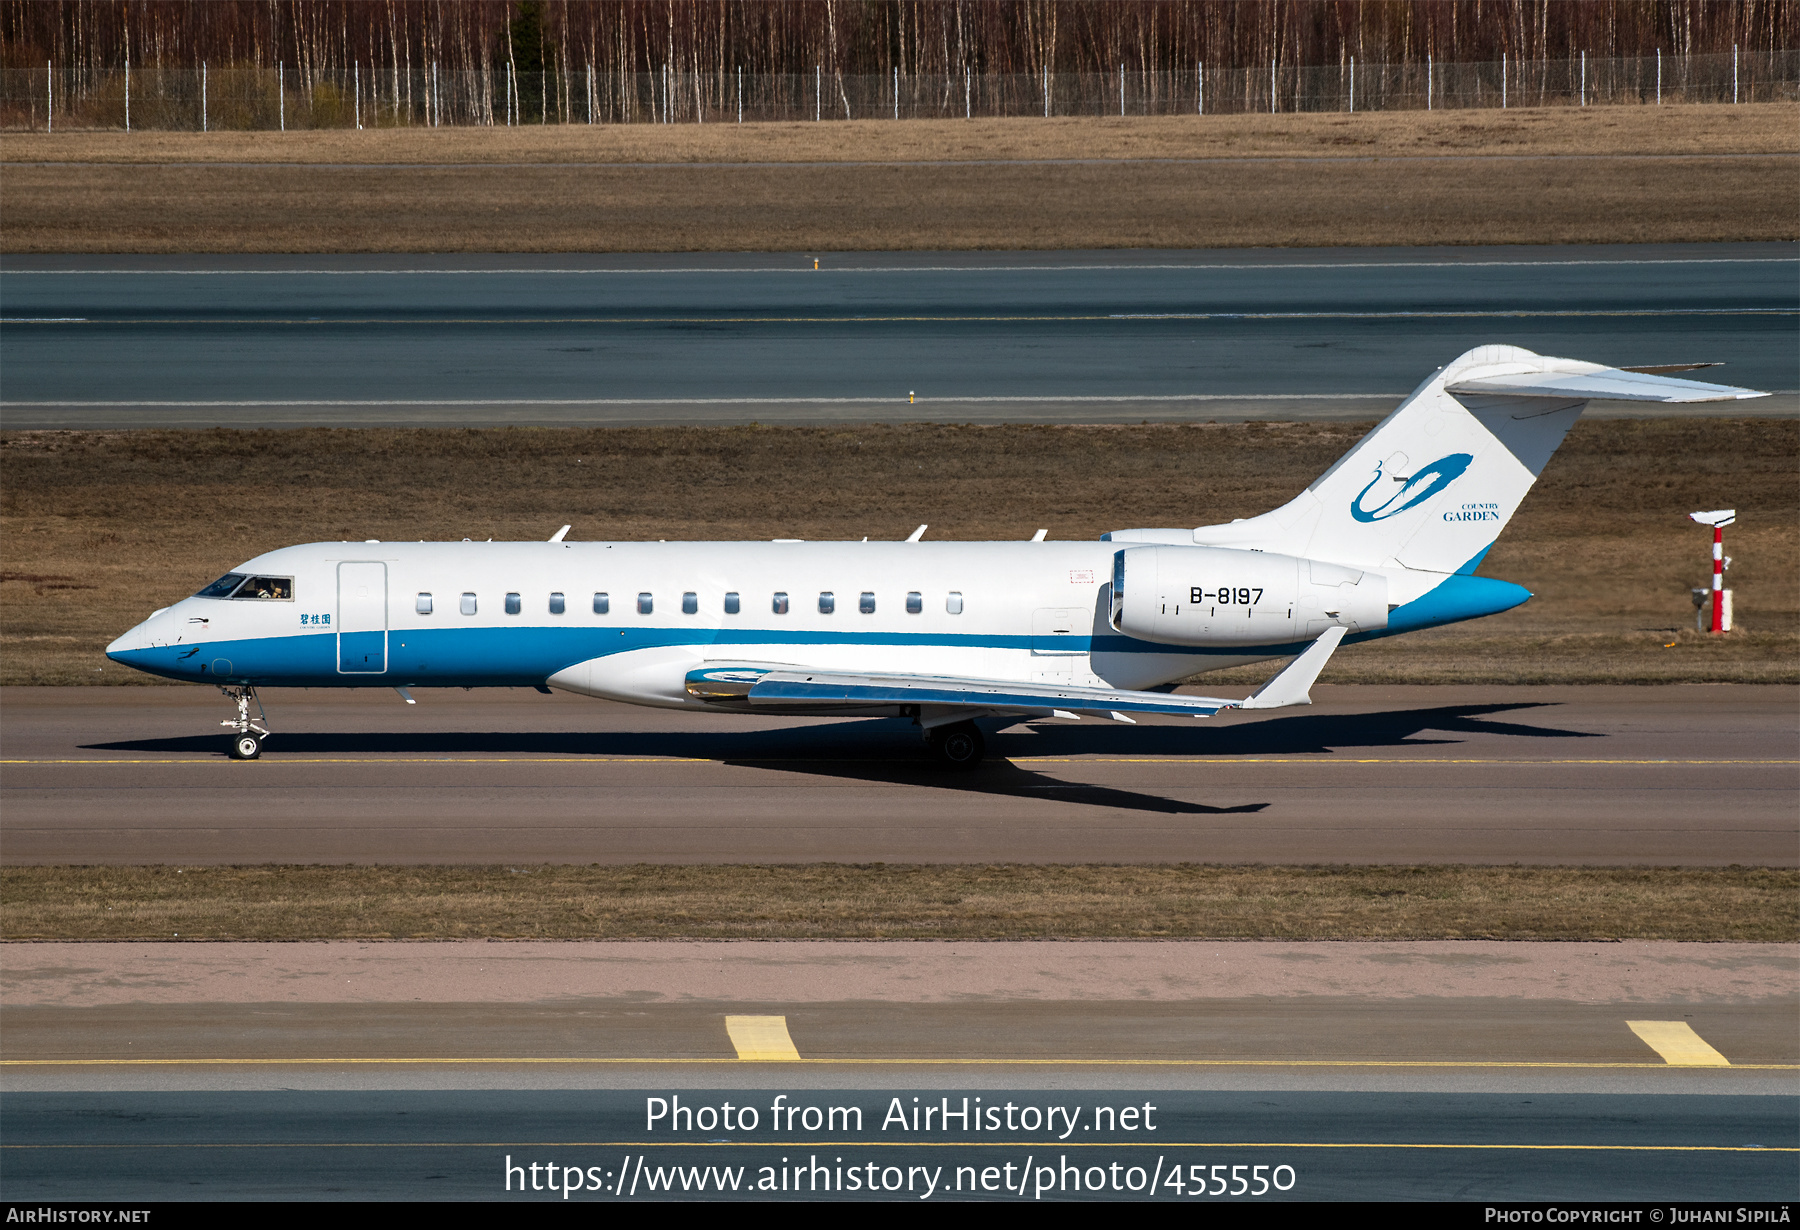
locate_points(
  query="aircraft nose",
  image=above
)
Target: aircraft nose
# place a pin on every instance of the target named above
(131, 640)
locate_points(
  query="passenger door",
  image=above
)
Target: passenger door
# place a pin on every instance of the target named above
(362, 618)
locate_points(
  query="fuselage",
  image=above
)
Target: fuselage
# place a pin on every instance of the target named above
(627, 620)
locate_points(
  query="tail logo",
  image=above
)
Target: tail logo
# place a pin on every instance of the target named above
(1420, 486)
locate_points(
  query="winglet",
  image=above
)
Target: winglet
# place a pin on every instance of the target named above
(1293, 684)
(558, 536)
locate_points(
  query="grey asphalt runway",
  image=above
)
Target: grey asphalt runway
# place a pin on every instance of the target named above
(462, 1145)
(106, 342)
(1425, 1070)
(1701, 776)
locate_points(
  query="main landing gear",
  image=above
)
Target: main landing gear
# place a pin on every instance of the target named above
(248, 736)
(958, 745)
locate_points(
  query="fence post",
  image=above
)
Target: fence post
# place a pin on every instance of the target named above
(1200, 87)
(1734, 74)
(49, 98)
(437, 106)
(1121, 91)
(896, 92)
(203, 97)
(1352, 85)
(1503, 81)
(1046, 91)
(1428, 82)
(281, 90)
(356, 90)
(1271, 85)
(590, 94)
(740, 93)
(127, 93)
(818, 92)
(1659, 76)
(1584, 78)
(968, 94)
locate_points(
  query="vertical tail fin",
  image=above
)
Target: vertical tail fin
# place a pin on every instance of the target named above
(1432, 486)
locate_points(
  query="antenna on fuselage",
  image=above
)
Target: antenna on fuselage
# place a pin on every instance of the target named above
(917, 534)
(558, 536)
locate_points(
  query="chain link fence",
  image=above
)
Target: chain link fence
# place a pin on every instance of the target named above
(239, 98)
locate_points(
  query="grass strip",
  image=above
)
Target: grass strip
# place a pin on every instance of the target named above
(880, 901)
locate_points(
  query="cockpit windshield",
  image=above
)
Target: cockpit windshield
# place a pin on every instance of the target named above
(237, 585)
(280, 589)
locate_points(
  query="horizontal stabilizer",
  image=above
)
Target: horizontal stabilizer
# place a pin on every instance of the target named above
(1611, 383)
(801, 687)
(1292, 685)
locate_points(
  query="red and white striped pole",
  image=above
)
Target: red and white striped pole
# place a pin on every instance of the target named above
(1718, 611)
(1718, 519)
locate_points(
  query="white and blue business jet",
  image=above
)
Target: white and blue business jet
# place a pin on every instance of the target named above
(1385, 541)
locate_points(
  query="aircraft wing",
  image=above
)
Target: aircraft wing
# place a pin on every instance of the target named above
(760, 684)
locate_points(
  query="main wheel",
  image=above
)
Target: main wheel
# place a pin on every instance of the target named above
(959, 745)
(245, 747)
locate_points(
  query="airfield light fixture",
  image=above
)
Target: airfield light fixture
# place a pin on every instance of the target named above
(1721, 597)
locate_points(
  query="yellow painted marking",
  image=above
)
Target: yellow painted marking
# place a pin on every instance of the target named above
(874, 1062)
(761, 1039)
(1678, 1044)
(1017, 760)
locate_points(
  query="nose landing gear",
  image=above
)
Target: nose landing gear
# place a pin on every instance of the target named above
(246, 742)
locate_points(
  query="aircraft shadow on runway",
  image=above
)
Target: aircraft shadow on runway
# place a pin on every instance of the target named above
(888, 750)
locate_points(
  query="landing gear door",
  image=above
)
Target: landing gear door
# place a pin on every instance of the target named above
(362, 618)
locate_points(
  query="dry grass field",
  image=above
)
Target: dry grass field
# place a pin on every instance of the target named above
(828, 901)
(1561, 175)
(98, 529)
(1762, 128)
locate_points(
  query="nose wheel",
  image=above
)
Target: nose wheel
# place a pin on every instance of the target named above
(248, 734)
(958, 745)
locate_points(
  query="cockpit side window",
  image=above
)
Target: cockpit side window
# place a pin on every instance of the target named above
(267, 589)
(222, 587)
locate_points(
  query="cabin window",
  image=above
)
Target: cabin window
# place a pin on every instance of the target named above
(690, 603)
(513, 605)
(731, 604)
(866, 603)
(915, 602)
(953, 603)
(468, 604)
(827, 602)
(602, 604)
(780, 605)
(646, 604)
(222, 587)
(556, 604)
(422, 604)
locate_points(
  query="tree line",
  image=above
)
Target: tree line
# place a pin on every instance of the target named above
(323, 38)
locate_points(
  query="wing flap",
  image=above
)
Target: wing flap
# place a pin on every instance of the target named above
(768, 685)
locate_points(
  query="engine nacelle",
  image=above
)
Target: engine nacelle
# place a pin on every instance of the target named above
(1219, 596)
